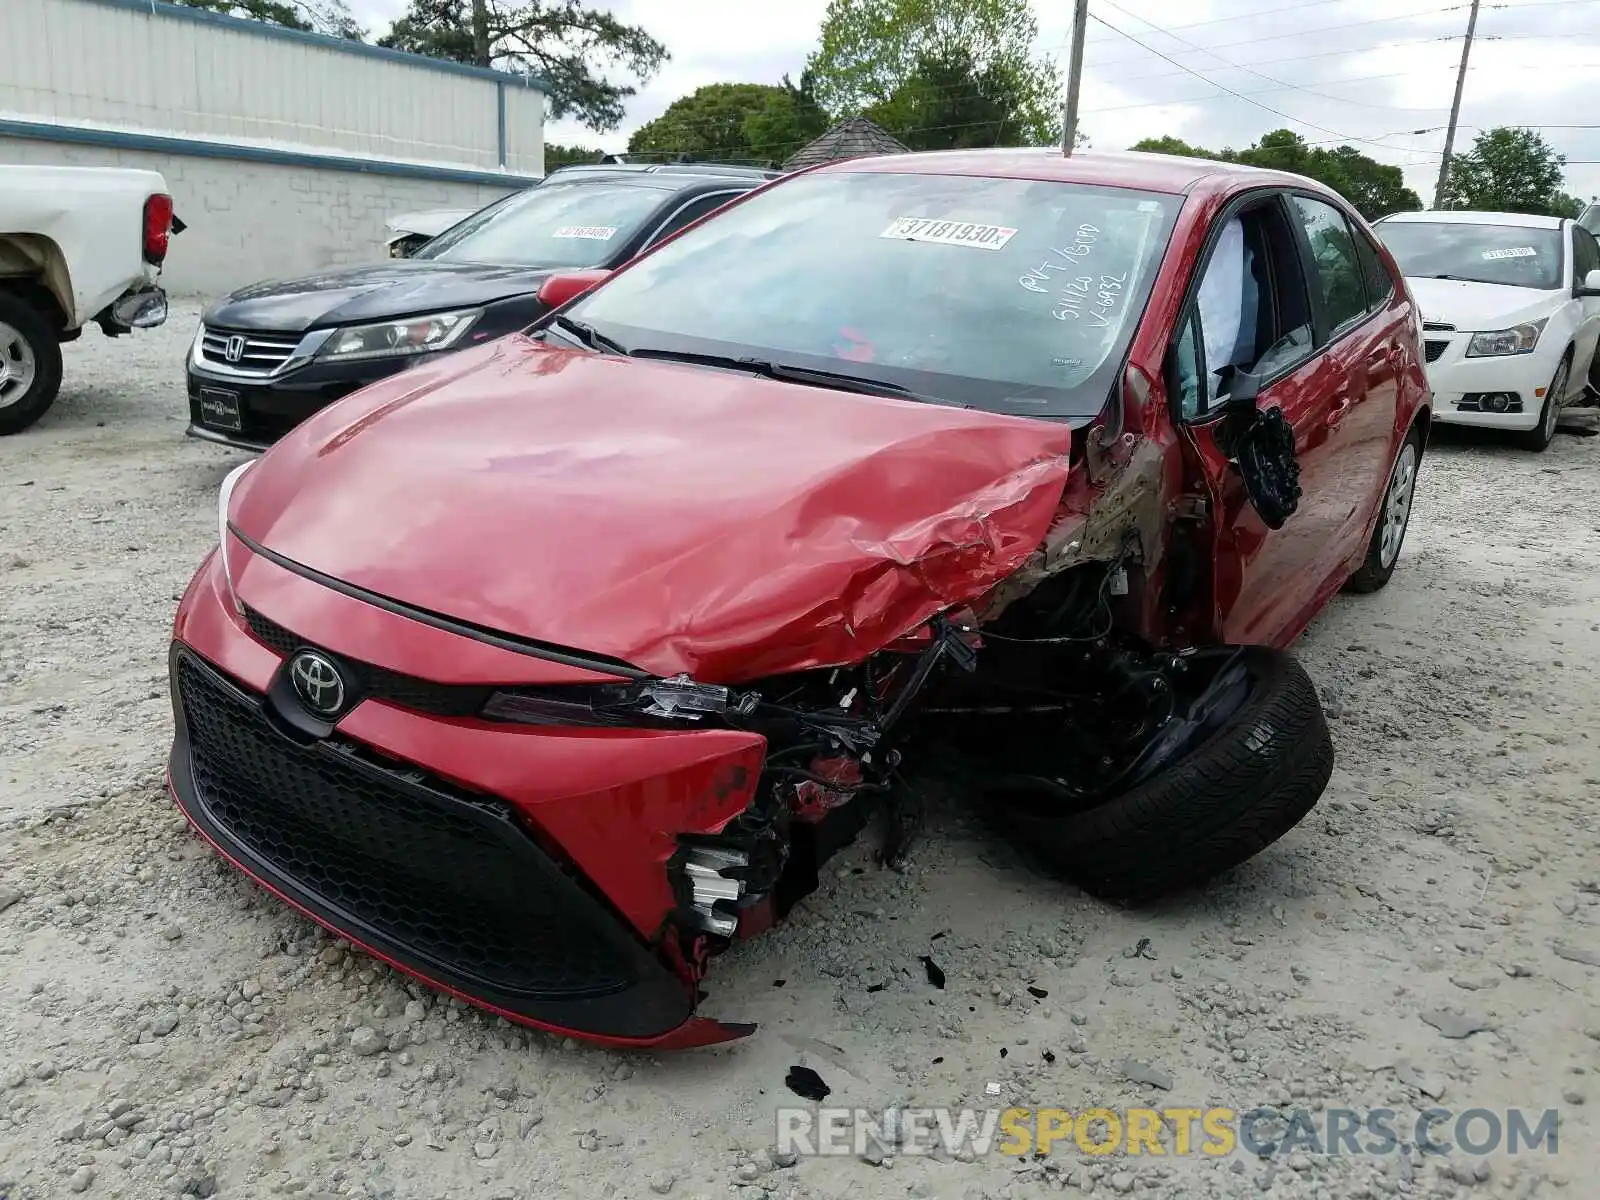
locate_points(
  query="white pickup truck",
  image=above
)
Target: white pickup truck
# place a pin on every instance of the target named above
(77, 244)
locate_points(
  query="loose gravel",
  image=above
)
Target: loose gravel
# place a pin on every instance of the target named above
(1428, 937)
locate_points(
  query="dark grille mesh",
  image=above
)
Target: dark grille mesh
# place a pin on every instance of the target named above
(1432, 350)
(379, 683)
(453, 879)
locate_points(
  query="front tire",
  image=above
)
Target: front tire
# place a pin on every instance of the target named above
(1250, 781)
(1383, 551)
(30, 364)
(1538, 438)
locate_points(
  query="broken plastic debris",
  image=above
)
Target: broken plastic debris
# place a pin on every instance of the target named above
(1038, 993)
(682, 696)
(935, 974)
(991, 1089)
(807, 1084)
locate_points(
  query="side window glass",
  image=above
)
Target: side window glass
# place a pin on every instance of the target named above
(1186, 370)
(690, 213)
(1380, 284)
(1585, 253)
(1336, 275)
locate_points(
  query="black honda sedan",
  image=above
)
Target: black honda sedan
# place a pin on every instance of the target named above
(268, 356)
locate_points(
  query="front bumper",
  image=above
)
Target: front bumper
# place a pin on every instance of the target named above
(483, 891)
(251, 413)
(1458, 382)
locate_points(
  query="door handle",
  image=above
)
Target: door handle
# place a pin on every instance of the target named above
(1383, 356)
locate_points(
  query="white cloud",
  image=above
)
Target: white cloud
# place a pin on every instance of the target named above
(1367, 71)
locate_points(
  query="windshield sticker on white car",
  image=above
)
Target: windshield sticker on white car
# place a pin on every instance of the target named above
(593, 233)
(1512, 252)
(949, 233)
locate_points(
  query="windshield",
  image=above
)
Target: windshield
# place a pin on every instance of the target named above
(1509, 254)
(554, 225)
(1010, 295)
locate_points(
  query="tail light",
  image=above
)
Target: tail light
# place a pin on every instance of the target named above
(157, 227)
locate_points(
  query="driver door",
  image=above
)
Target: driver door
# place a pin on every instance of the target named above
(1585, 258)
(1251, 312)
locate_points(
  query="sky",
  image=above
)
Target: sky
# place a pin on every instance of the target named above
(1377, 74)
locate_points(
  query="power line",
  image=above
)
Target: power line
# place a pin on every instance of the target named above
(1259, 75)
(1237, 95)
(1275, 37)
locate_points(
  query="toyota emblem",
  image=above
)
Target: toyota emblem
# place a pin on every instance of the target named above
(317, 683)
(234, 350)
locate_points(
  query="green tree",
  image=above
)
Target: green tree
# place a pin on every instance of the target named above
(1375, 190)
(872, 50)
(751, 121)
(785, 122)
(331, 17)
(1508, 170)
(1171, 145)
(569, 46)
(557, 155)
(948, 102)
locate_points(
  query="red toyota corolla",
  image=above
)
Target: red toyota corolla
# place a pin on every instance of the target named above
(547, 669)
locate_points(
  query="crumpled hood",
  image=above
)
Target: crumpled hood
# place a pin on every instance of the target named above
(678, 518)
(1479, 307)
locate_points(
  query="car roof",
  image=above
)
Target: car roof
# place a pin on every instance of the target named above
(1120, 168)
(1444, 216)
(708, 170)
(668, 182)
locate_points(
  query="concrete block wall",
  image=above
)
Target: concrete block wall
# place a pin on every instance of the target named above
(250, 221)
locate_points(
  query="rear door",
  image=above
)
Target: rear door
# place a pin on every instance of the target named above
(1251, 310)
(1364, 338)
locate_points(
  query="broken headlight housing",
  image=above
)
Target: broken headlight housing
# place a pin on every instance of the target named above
(670, 701)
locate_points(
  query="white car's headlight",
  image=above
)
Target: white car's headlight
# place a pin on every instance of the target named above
(408, 335)
(1519, 339)
(224, 497)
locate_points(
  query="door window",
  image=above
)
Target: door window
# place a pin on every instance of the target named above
(1380, 284)
(1250, 313)
(690, 213)
(1335, 268)
(1585, 254)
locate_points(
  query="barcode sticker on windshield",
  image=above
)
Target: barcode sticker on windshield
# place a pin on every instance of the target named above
(949, 233)
(593, 233)
(1512, 252)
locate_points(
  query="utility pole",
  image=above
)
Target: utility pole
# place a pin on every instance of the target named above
(1069, 111)
(1455, 108)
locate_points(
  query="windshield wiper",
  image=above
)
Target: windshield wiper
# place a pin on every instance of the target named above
(838, 380)
(589, 336)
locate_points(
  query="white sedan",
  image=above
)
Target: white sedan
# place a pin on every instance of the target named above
(1510, 314)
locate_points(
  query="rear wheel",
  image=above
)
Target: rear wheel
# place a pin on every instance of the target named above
(1256, 758)
(1538, 438)
(30, 364)
(1383, 551)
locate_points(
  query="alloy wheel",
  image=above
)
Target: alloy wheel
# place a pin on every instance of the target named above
(1397, 504)
(18, 367)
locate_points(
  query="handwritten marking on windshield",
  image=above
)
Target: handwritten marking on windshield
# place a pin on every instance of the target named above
(949, 233)
(1512, 252)
(1070, 256)
(593, 233)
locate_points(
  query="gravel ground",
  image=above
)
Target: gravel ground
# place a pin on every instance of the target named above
(1428, 937)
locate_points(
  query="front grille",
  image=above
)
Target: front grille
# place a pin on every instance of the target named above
(1437, 327)
(390, 851)
(1432, 350)
(259, 353)
(380, 683)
